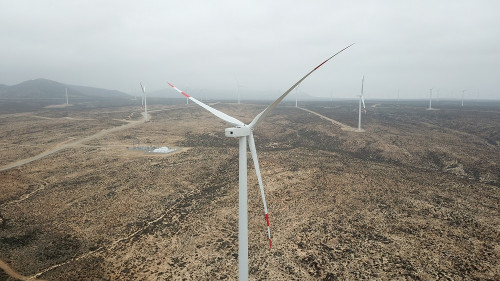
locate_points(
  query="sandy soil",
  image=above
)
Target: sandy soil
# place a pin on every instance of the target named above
(414, 197)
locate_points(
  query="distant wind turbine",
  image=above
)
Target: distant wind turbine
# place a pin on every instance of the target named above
(67, 102)
(142, 99)
(245, 134)
(144, 102)
(296, 96)
(361, 100)
(238, 90)
(430, 99)
(463, 93)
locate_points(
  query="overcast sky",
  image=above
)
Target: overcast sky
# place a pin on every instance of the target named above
(209, 47)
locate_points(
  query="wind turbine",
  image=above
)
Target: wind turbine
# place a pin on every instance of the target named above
(245, 133)
(430, 99)
(144, 102)
(361, 100)
(463, 93)
(238, 89)
(187, 100)
(296, 96)
(142, 98)
(67, 96)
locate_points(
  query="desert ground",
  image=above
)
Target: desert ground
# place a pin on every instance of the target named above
(416, 196)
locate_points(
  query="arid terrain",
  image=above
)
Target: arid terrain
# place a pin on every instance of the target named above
(416, 196)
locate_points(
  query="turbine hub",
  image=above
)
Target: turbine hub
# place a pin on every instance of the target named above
(240, 131)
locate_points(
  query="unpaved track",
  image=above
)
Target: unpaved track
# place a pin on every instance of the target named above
(65, 145)
(58, 147)
(342, 125)
(12, 273)
(183, 198)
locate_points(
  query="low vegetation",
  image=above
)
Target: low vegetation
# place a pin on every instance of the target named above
(416, 196)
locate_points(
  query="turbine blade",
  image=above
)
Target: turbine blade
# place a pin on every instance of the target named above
(143, 93)
(363, 100)
(266, 111)
(251, 144)
(362, 84)
(143, 89)
(214, 111)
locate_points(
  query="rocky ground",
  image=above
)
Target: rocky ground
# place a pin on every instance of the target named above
(414, 197)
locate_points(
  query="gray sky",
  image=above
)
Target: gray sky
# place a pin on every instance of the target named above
(205, 47)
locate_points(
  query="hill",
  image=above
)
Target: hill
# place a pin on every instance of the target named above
(48, 89)
(35, 89)
(38, 93)
(98, 92)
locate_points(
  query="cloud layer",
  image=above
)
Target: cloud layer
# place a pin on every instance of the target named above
(260, 47)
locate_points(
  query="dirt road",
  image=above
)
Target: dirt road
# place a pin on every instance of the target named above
(65, 145)
(12, 273)
(58, 147)
(342, 125)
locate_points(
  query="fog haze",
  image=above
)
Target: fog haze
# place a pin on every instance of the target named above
(259, 48)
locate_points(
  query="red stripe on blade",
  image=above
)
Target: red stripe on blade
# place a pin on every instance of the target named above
(171, 85)
(321, 64)
(186, 95)
(269, 243)
(267, 219)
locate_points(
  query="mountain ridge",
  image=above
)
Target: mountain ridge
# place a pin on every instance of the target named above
(42, 88)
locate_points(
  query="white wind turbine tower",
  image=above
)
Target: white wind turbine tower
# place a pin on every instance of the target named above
(296, 96)
(142, 98)
(361, 100)
(245, 133)
(67, 102)
(238, 90)
(187, 100)
(430, 99)
(144, 102)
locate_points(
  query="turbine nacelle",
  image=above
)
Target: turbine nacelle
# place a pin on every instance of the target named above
(239, 131)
